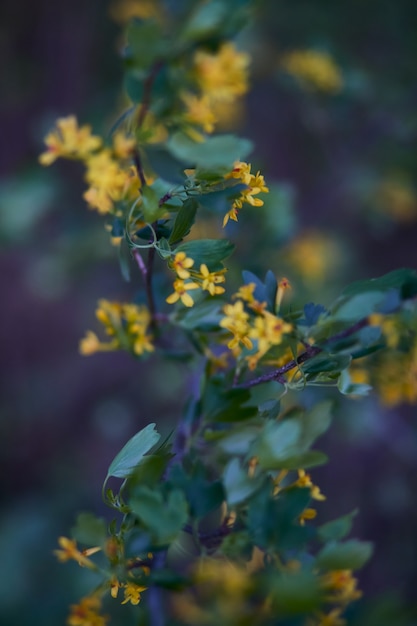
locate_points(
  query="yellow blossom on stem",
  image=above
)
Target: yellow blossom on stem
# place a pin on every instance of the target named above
(230, 215)
(199, 111)
(69, 141)
(210, 280)
(255, 184)
(181, 264)
(241, 172)
(283, 286)
(307, 514)
(340, 586)
(91, 344)
(69, 551)
(268, 330)
(224, 75)
(86, 613)
(245, 293)
(180, 293)
(108, 182)
(123, 145)
(304, 480)
(132, 593)
(236, 321)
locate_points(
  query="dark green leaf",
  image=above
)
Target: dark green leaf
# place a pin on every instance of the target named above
(209, 251)
(216, 152)
(238, 485)
(162, 517)
(337, 529)
(405, 280)
(184, 220)
(90, 530)
(352, 554)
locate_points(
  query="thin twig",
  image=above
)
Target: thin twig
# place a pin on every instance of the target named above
(308, 354)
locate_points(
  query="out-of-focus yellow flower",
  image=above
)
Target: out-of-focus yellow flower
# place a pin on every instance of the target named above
(123, 145)
(245, 293)
(69, 551)
(313, 256)
(304, 480)
(181, 293)
(86, 613)
(396, 199)
(199, 111)
(328, 619)
(69, 141)
(340, 586)
(108, 182)
(122, 11)
(236, 321)
(224, 75)
(390, 326)
(395, 377)
(314, 69)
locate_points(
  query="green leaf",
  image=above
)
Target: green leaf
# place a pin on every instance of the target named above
(203, 495)
(357, 306)
(209, 251)
(403, 279)
(150, 205)
(145, 42)
(184, 220)
(90, 530)
(295, 593)
(162, 517)
(327, 363)
(352, 554)
(216, 152)
(337, 529)
(348, 388)
(238, 485)
(205, 21)
(316, 422)
(278, 443)
(131, 454)
(164, 249)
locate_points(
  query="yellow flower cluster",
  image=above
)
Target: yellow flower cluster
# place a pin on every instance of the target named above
(314, 256)
(221, 77)
(255, 184)
(86, 613)
(266, 329)
(395, 377)
(127, 324)
(314, 69)
(132, 591)
(189, 279)
(69, 551)
(108, 172)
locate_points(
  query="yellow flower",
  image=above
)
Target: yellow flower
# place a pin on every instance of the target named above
(181, 264)
(199, 111)
(123, 146)
(236, 321)
(224, 75)
(268, 331)
(108, 182)
(91, 344)
(255, 184)
(132, 593)
(69, 141)
(304, 480)
(245, 292)
(390, 328)
(340, 586)
(330, 619)
(314, 256)
(69, 551)
(86, 613)
(180, 293)
(211, 280)
(314, 69)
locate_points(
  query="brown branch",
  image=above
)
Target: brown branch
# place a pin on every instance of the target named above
(308, 354)
(143, 109)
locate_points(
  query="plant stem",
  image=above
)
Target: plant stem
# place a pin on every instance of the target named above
(309, 353)
(155, 594)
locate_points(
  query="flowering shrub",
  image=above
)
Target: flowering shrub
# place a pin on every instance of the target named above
(217, 524)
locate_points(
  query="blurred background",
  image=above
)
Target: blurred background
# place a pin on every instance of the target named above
(333, 114)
